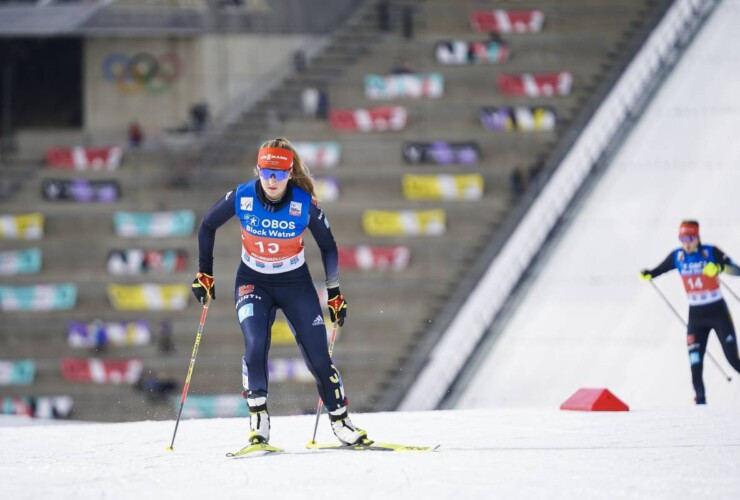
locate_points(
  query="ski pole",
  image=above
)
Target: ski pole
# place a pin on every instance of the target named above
(320, 404)
(190, 368)
(683, 322)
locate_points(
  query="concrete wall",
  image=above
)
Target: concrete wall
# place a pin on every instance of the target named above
(221, 69)
(237, 64)
(110, 105)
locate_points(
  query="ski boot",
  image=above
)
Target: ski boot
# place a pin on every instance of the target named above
(344, 430)
(259, 419)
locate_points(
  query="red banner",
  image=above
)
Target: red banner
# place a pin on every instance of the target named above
(539, 85)
(369, 120)
(79, 158)
(395, 258)
(503, 21)
(102, 371)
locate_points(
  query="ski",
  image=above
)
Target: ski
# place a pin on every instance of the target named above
(369, 445)
(265, 448)
(262, 449)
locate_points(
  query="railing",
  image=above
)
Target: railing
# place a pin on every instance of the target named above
(251, 16)
(183, 17)
(470, 319)
(46, 17)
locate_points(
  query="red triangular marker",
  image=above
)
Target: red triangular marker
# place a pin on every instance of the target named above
(594, 400)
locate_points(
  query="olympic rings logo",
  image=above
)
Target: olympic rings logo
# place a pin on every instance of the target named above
(142, 72)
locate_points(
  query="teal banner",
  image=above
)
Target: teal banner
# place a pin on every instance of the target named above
(38, 298)
(26, 261)
(154, 224)
(17, 372)
(219, 405)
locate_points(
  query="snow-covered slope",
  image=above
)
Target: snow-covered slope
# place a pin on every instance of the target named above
(588, 320)
(511, 454)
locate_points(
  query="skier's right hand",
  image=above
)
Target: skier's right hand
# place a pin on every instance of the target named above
(645, 275)
(203, 285)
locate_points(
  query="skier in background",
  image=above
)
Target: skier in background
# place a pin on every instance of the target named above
(274, 212)
(699, 266)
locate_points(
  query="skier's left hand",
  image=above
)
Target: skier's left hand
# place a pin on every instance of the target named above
(337, 306)
(711, 269)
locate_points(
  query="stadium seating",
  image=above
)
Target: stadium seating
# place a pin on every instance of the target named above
(389, 310)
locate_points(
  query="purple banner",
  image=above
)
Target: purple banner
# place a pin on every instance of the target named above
(441, 153)
(80, 190)
(100, 334)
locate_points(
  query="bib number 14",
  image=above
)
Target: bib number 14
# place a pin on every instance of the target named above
(695, 283)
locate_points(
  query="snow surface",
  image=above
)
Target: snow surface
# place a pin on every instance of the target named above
(511, 454)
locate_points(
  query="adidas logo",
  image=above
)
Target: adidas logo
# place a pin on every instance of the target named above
(318, 321)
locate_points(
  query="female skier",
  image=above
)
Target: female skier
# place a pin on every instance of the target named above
(699, 266)
(274, 212)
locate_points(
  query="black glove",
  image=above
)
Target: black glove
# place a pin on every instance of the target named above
(204, 285)
(337, 306)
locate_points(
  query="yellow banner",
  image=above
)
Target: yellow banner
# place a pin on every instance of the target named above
(443, 187)
(404, 222)
(281, 334)
(148, 297)
(22, 227)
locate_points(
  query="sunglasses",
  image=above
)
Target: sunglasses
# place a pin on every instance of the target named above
(280, 175)
(687, 239)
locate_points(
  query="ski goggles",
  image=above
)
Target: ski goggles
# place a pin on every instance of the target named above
(687, 238)
(280, 175)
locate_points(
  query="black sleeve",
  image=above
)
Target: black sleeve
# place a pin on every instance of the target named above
(668, 264)
(216, 217)
(728, 266)
(319, 227)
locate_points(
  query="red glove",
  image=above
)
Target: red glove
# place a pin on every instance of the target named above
(203, 285)
(337, 306)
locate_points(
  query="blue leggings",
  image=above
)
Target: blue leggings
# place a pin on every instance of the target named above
(257, 298)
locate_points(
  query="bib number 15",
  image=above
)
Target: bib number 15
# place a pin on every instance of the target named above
(271, 247)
